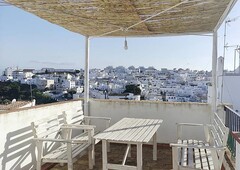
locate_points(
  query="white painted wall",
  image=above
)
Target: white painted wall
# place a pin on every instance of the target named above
(14, 155)
(231, 91)
(170, 113)
(238, 156)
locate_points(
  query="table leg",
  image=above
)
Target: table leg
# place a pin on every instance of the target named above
(155, 146)
(139, 156)
(108, 146)
(104, 154)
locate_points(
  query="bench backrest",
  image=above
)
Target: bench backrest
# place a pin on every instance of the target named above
(218, 132)
(218, 137)
(76, 118)
(48, 127)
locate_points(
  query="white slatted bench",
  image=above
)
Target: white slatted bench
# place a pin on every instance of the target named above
(56, 147)
(201, 154)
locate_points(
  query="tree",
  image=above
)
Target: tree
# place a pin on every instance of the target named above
(72, 91)
(77, 71)
(15, 90)
(42, 98)
(46, 71)
(133, 89)
(6, 101)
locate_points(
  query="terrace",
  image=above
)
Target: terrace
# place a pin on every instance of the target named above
(132, 18)
(18, 150)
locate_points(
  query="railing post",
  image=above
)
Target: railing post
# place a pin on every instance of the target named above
(233, 123)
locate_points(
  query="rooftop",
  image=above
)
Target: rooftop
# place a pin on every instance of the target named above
(14, 105)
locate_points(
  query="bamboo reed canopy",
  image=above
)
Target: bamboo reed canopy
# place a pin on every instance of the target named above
(129, 17)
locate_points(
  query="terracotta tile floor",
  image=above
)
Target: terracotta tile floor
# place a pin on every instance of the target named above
(164, 161)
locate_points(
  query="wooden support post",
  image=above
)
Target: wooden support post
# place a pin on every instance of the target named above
(91, 149)
(104, 154)
(155, 146)
(129, 152)
(139, 156)
(39, 158)
(108, 143)
(126, 154)
(69, 155)
(175, 158)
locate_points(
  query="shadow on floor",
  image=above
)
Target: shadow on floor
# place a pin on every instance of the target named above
(116, 154)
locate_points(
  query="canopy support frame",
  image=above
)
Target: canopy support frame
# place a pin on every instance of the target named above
(86, 77)
(214, 71)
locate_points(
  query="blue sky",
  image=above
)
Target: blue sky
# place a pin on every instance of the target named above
(27, 41)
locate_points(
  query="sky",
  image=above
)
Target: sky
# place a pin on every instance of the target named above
(27, 41)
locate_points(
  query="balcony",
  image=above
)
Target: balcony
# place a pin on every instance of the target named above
(18, 151)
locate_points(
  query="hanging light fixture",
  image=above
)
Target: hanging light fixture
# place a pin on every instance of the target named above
(125, 44)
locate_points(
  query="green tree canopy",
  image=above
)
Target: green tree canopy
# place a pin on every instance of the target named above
(15, 90)
(132, 88)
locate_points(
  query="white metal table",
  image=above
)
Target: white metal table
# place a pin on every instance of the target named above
(130, 131)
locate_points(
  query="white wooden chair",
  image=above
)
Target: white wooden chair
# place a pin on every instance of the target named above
(54, 146)
(76, 119)
(207, 153)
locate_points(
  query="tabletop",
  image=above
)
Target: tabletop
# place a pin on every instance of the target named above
(131, 130)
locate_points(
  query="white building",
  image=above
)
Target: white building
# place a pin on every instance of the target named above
(44, 83)
(227, 83)
(68, 84)
(28, 73)
(18, 74)
(5, 78)
(9, 71)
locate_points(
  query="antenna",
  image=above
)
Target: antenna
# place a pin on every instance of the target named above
(225, 46)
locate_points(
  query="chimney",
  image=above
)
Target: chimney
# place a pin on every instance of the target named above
(220, 64)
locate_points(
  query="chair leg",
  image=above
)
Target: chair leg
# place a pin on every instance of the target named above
(39, 165)
(39, 157)
(69, 155)
(70, 166)
(90, 158)
(175, 158)
(93, 156)
(108, 147)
